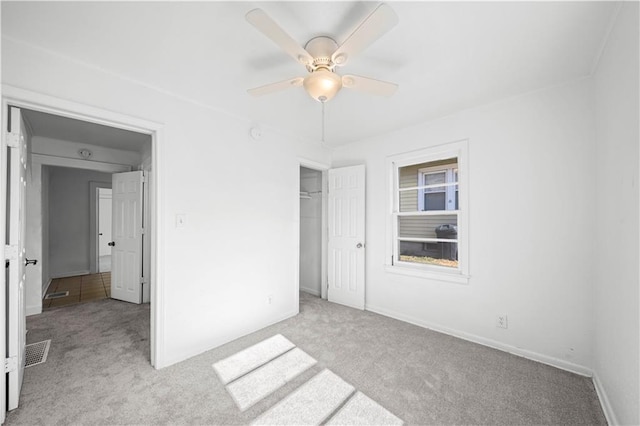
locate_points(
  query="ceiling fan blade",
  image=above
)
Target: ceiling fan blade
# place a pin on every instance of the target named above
(369, 85)
(381, 20)
(276, 87)
(267, 26)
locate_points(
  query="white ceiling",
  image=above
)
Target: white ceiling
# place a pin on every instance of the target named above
(445, 56)
(68, 129)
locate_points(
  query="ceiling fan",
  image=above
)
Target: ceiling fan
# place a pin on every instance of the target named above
(321, 56)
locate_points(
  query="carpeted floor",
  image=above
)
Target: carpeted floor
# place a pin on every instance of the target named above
(98, 372)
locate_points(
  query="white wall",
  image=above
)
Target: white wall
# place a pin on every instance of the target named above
(311, 231)
(617, 321)
(531, 226)
(210, 295)
(69, 218)
(59, 148)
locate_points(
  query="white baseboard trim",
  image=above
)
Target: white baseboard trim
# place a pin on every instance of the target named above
(534, 356)
(71, 274)
(604, 400)
(310, 291)
(33, 310)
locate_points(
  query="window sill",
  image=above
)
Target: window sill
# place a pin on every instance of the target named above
(452, 277)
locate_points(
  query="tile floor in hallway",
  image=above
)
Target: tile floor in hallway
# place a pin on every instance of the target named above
(81, 288)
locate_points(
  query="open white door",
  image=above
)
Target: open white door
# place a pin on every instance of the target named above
(127, 231)
(346, 236)
(15, 254)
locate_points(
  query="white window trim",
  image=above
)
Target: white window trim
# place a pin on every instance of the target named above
(458, 149)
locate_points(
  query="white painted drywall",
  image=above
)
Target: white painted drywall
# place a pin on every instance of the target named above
(311, 231)
(239, 195)
(58, 148)
(69, 219)
(531, 226)
(616, 320)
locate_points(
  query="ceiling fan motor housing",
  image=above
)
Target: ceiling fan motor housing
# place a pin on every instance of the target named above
(321, 48)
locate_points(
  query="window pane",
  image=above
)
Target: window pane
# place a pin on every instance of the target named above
(408, 175)
(435, 201)
(409, 200)
(434, 179)
(438, 226)
(441, 254)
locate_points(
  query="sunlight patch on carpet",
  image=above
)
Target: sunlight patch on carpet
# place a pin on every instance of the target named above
(362, 410)
(249, 359)
(258, 384)
(311, 403)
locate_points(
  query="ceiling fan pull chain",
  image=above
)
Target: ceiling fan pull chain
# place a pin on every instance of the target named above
(322, 121)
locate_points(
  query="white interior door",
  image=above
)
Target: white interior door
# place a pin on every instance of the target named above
(346, 236)
(104, 221)
(15, 254)
(127, 231)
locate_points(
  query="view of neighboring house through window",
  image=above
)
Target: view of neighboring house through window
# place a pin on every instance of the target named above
(428, 222)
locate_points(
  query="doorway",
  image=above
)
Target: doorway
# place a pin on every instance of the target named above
(312, 214)
(64, 109)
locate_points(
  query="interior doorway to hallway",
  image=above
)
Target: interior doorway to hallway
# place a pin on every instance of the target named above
(61, 152)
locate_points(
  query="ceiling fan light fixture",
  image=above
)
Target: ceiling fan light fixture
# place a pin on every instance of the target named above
(322, 84)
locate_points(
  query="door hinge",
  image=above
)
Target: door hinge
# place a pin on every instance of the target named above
(11, 252)
(143, 280)
(10, 364)
(13, 140)
(141, 231)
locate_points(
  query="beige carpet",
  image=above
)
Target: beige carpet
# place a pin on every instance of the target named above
(97, 372)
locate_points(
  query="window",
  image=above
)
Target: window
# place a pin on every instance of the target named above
(428, 214)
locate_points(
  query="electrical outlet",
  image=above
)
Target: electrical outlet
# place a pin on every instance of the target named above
(501, 321)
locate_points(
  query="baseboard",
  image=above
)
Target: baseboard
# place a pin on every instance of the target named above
(33, 310)
(310, 291)
(71, 274)
(604, 400)
(534, 356)
(209, 347)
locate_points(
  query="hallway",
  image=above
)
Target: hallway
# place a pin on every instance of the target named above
(79, 289)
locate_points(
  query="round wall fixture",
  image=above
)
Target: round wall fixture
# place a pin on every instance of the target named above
(255, 132)
(85, 153)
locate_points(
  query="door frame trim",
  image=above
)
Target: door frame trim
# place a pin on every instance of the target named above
(44, 103)
(324, 169)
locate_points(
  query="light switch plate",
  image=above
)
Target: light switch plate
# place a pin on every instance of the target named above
(181, 220)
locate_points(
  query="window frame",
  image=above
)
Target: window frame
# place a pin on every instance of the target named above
(459, 150)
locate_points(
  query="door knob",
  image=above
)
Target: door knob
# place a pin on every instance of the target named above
(30, 261)
(359, 245)
(112, 243)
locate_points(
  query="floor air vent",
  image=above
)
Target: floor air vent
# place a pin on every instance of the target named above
(36, 353)
(57, 295)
